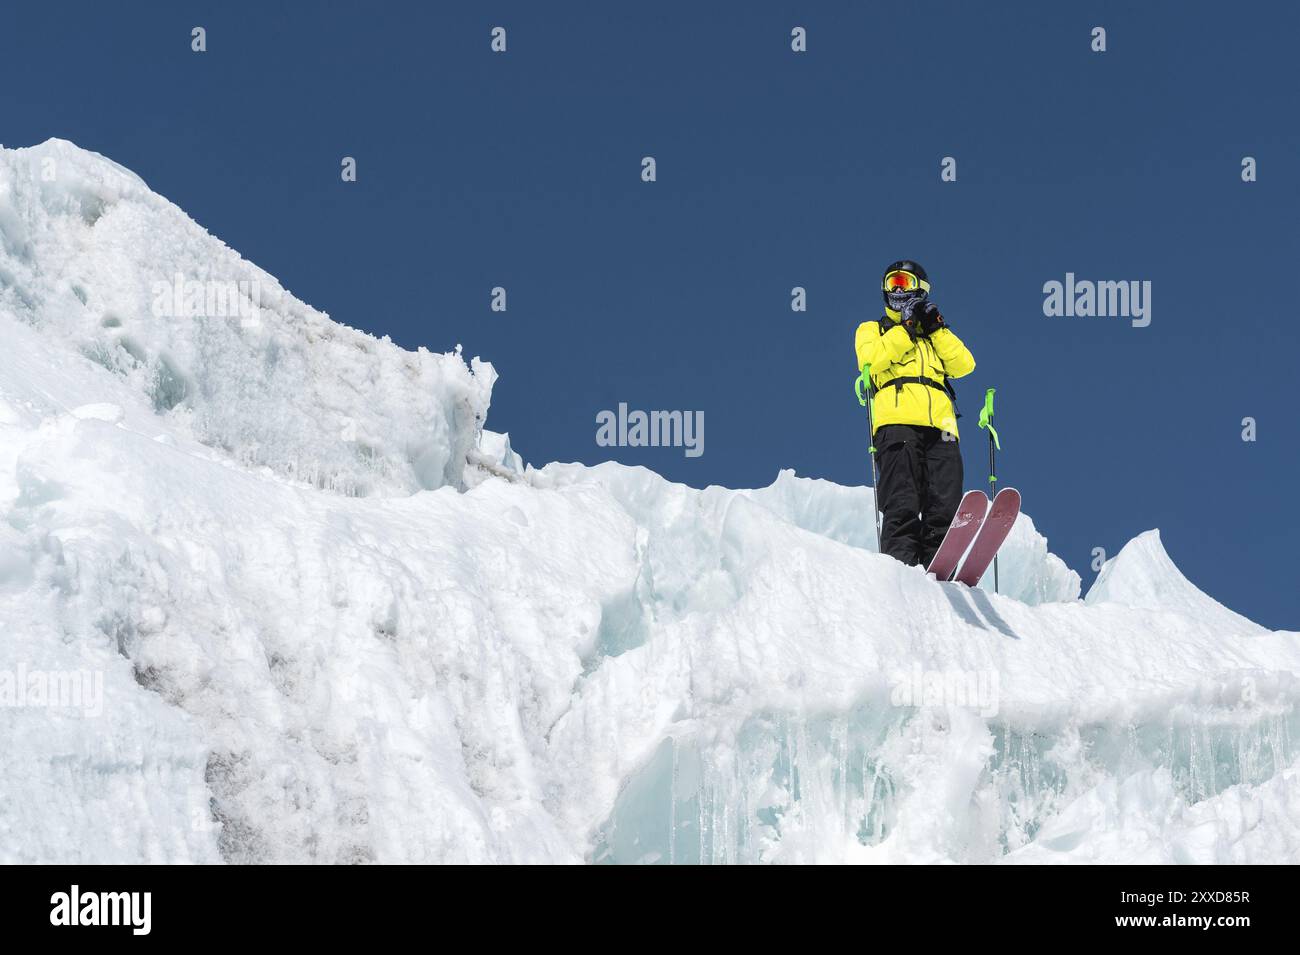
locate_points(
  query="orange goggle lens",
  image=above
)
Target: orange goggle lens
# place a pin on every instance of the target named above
(901, 282)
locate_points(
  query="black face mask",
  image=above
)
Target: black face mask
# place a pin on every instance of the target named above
(903, 302)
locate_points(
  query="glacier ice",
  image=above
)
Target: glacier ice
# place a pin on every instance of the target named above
(86, 247)
(335, 619)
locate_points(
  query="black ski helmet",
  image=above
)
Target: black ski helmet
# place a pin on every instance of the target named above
(905, 265)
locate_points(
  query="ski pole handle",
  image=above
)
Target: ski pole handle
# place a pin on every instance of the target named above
(986, 418)
(986, 413)
(862, 385)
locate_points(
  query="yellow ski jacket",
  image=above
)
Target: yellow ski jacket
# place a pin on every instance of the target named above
(894, 355)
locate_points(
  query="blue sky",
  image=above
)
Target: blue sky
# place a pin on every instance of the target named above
(774, 170)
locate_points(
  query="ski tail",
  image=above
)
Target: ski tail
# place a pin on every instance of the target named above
(997, 525)
(965, 525)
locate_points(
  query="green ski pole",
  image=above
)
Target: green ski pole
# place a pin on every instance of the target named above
(862, 388)
(986, 421)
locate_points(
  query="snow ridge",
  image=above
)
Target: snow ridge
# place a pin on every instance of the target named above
(94, 259)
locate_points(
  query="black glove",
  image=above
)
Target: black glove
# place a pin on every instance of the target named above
(928, 318)
(907, 317)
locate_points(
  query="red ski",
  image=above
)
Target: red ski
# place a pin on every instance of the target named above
(965, 525)
(997, 525)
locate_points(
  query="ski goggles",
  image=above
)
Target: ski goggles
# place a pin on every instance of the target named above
(903, 281)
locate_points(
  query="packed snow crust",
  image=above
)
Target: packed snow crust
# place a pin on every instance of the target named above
(393, 641)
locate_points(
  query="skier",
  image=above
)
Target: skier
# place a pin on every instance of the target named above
(912, 353)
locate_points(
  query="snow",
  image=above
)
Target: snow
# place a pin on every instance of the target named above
(92, 258)
(429, 651)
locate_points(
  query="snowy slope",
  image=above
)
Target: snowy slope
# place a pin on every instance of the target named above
(429, 652)
(96, 261)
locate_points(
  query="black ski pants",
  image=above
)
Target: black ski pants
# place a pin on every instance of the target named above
(918, 489)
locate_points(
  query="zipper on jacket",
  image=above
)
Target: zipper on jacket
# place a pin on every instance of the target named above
(929, 402)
